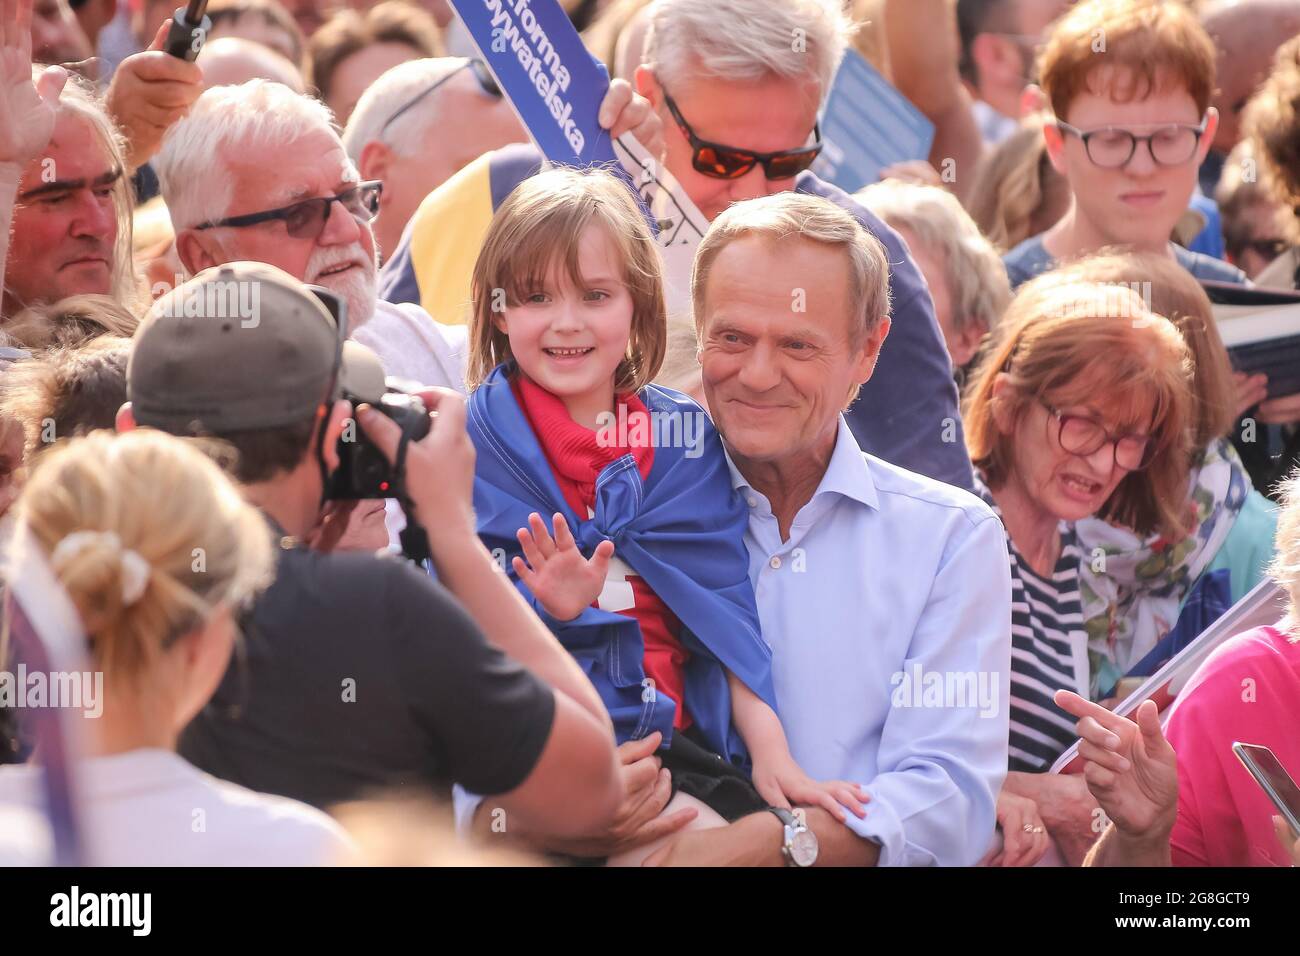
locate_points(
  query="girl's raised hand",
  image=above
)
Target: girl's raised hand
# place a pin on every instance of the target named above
(561, 579)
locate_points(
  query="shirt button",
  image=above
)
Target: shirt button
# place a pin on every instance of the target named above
(775, 563)
(753, 502)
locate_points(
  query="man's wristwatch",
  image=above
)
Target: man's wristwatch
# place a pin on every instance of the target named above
(799, 844)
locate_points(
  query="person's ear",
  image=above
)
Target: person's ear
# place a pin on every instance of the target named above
(1000, 402)
(499, 322)
(864, 363)
(1032, 100)
(340, 420)
(1207, 138)
(1055, 141)
(124, 421)
(967, 342)
(647, 84)
(197, 251)
(375, 161)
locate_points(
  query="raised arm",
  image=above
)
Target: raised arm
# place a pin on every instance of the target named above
(27, 109)
(923, 51)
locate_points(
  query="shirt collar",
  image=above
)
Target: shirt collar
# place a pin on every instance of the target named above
(847, 473)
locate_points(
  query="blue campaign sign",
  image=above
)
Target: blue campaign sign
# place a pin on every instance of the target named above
(868, 125)
(553, 82)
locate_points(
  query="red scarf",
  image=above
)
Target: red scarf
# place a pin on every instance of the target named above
(577, 455)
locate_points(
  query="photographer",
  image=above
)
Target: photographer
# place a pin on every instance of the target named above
(360, 673)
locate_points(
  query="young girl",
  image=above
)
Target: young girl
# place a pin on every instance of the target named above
(643, 574)
(155, 552)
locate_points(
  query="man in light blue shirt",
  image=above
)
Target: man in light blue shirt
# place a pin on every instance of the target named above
(884, 595)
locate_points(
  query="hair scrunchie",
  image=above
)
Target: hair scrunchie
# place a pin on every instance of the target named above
(135, 569)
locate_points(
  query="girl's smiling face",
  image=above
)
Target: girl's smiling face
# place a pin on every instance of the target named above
(569, 334)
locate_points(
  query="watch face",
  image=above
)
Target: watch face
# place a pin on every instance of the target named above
(803, 849)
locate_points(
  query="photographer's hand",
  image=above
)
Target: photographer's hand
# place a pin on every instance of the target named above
(440, 482)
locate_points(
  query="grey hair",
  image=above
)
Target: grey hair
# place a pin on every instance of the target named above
(190, 165)
(747, 40)
(936, 220)
(388, 94)
(79, 98)
(790, 214)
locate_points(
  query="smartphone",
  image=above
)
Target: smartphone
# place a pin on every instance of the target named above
(1273, 779)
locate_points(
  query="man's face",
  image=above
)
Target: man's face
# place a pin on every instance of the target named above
(56, 35)
(65, 221)
(777, 362)
(341, 258)
(353, 76)
(769, 116)
(1138, 203)
(467, 123)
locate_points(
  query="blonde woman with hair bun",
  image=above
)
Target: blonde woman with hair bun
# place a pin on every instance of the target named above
(157, 552)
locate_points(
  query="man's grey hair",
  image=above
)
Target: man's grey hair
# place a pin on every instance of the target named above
(224, 121)
(789, 215)
(936, 221)
(388, 94)
(747, 40)
(80, 99)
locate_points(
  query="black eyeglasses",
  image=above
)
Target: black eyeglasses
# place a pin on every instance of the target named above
(727, 162)
(481, 73)
(1083, 436)
(306, 219)
(1111, 147)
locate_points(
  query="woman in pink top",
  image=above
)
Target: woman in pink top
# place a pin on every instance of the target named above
(1183, 798)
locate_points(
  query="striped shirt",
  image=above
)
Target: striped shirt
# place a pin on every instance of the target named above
(1049, 651)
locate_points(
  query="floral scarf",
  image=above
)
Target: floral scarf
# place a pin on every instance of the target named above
(1132, 588)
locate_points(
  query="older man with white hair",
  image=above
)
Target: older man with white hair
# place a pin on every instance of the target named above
(738, 85)
(420, 123)
(257, 172)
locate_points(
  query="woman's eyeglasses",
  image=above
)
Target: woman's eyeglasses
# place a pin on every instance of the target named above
(726, 162)
(306, 219)
(1111, 147)
(1083, 436)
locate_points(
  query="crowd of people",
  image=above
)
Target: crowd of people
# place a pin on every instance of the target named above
(827, 565)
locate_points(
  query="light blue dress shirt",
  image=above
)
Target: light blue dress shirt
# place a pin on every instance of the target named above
(888, 612)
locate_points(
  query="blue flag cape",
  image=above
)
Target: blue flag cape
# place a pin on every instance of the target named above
(682, 531)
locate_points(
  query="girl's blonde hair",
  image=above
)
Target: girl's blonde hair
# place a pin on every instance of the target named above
(1066, 344)
(164, 499)
(1170, 290)
(541, 224)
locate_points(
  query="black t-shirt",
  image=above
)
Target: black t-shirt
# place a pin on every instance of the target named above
(358, 675)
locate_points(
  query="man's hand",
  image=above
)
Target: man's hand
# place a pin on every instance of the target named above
(349, 526)
(647, 787)
(439, 467)
(624, 111)
(1282, 410)
(1066, 807)
(27, 109)
(561, 579)
(1131, 769)
(151, 91)
(1250, 391)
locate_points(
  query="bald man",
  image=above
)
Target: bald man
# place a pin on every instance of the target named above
(1246, 34)
(229, 61)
